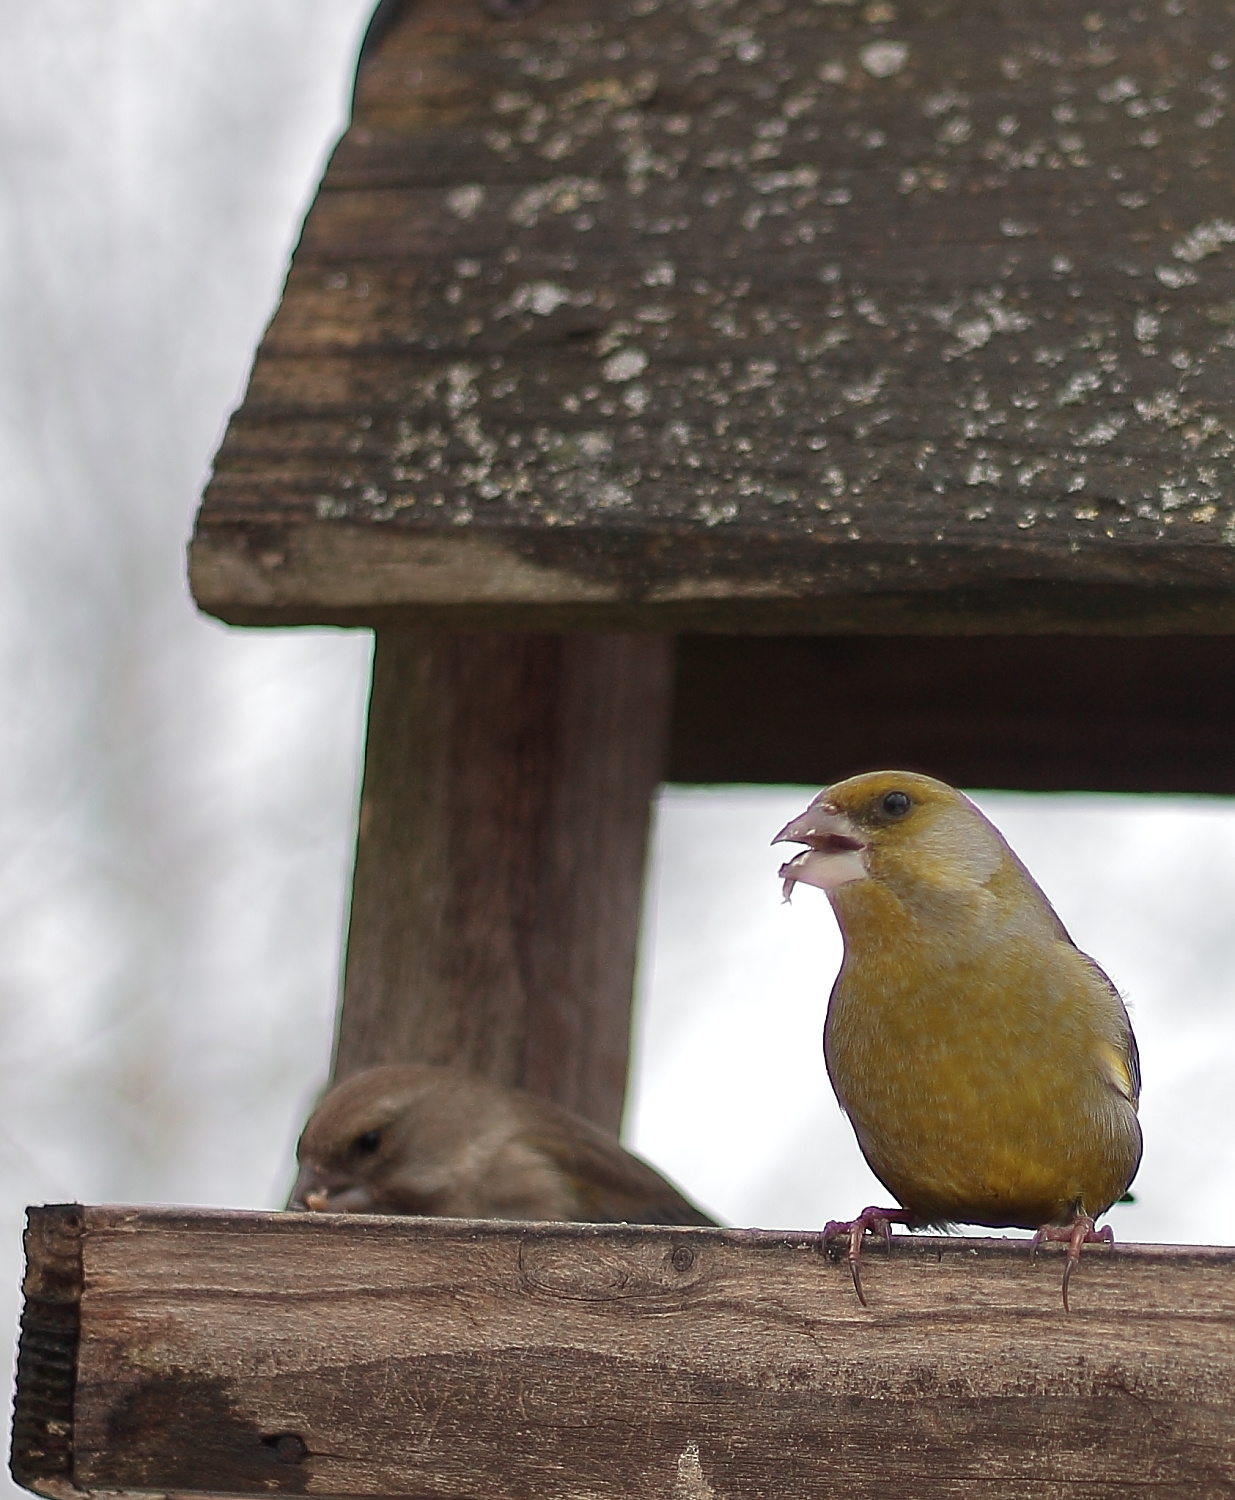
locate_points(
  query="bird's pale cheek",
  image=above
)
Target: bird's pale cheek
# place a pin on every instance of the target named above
(826, 869)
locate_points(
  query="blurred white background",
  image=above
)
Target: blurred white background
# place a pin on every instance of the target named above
(176, 798)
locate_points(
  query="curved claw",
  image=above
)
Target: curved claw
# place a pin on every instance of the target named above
(1080, 1232)
(877, 1221)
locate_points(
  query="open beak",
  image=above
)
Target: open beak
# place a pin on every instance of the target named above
(320, 1192)
(835, 852)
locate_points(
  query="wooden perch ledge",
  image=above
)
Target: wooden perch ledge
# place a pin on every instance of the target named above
(210, 1353)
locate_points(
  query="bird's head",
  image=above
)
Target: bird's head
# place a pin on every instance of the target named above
(380, 1142)
(912, 835)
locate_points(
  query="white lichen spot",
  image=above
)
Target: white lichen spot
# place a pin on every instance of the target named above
(710, 515)
(882, 59)
(832, 72)
(863, 392)
(561, 195)
(973, 333)
(1118, 90)
(541, 297)
(1205, 239)
(464, 201)
(1015, 229)
(327, 508)
(1175, 276)
(461, 393)
(944, 101)
(1061, 265)
(1164, 407)
(955, 131)
(661, 273)
(1078, 388)
(983, 473)
(1076, 483)
(779, 182)
(1103, 432)
(635, 399)
(1086, 513)
(1203, 514)
(626, 364)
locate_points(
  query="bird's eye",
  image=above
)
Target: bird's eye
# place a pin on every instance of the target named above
(896, 804)
(367, 1143)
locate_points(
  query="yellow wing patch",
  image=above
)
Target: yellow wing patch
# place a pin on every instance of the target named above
(1118, 1070)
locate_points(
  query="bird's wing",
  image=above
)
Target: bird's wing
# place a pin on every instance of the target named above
(1123, 1057)
(614, 1187)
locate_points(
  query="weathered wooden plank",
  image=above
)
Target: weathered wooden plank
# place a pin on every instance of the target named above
(1039, 713)
(42, 1445)
(499, 871)
(767, 315)
(242, 1354)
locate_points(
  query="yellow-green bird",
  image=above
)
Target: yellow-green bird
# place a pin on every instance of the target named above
(986, 1064)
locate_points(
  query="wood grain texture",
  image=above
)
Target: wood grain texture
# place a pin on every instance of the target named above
(756, 316)
(242, 1354)
(499, 872)
(1038, 713)
(42, 1444)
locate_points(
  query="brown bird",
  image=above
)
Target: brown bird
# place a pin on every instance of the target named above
(437, 1141)
(986, 1064)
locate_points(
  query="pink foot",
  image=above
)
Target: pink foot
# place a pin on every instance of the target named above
(877, 1221)
(1080, 1232)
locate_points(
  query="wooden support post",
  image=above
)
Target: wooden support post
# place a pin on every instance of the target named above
(349, 1356)
(499, 867)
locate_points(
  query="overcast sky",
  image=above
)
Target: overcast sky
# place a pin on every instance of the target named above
(176, 799)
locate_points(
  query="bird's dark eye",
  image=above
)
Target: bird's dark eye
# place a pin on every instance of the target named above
(367, 1143)
(896, 804)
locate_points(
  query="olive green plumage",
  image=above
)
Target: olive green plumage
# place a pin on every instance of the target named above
(987, 1065)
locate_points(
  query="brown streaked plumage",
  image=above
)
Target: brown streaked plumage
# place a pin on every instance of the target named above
(414, 1139)
(986, 1064)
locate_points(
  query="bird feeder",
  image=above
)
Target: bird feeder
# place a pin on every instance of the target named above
(712, 390)
(735, 392)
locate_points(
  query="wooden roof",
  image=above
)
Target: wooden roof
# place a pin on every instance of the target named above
(756, 315)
